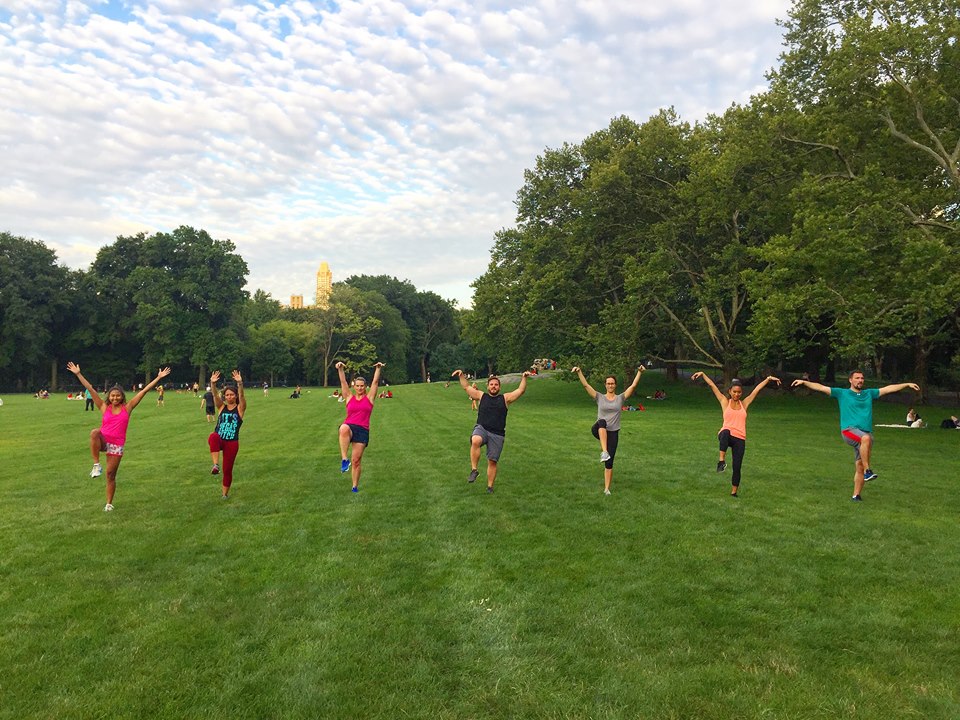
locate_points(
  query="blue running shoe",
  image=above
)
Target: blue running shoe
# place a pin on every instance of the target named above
(354, 489)
(869, 475)
(344, 465)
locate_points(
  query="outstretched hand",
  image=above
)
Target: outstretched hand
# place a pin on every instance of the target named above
(914, 387)
(773, 378)
(575, 369)
(236, 376)
(697, 375)
(379, 364)
(339, 365)
(214, 377)
(164, 372)
(73, 367)
(797, 383)
(527, 373)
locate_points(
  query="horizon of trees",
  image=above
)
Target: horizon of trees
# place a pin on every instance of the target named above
(816, 226)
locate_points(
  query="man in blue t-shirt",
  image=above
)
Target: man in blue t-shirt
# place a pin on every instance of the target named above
(856, 420)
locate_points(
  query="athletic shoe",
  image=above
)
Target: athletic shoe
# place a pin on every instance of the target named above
(224, 497)
(489, 489)
(215, 470)
(97, 472)
(869, 475)
(108, 507)
(856, 498)
(354, 489)
(472, 476)
(344, 465)
(604, 456)
(721, 466)
(734, 495)
(606, 492)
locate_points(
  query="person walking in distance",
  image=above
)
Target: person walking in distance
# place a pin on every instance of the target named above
(491, 422)
(607, 427)
(733, 433)
(856, 420)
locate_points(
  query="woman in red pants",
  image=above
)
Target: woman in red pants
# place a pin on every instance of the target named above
(225, 437)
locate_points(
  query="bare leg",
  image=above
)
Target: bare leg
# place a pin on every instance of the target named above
(866, 445)
(858, 477)
(355, 461)
(113, 462)
(607, 477)
(96, 445)
(346, 435)
(602, 432)
(491, 473)
(475, 445)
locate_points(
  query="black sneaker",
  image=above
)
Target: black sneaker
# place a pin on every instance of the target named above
(473, 476)
(856, 498)
(721, 466)
(489, 489)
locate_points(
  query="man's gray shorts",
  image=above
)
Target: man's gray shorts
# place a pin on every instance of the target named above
(493, 442)
(852, 437)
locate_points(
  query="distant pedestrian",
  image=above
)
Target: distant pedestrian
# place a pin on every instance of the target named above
(208, 403)
(112, 435)
(89, 404)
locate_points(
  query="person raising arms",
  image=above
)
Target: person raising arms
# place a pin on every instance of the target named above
(112, 435)
(225, 437)
(607, 427)
(733, 433)
(355, 429)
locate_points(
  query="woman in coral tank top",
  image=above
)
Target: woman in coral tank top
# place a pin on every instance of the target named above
(733, 434)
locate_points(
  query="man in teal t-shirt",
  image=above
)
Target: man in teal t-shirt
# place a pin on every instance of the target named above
(856, 420)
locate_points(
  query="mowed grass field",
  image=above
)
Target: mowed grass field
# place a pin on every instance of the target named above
(424, 597)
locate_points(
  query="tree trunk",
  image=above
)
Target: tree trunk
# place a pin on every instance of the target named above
(423, 368)
(53, 374)
(920, 369)
(672, 371)
(202, 381)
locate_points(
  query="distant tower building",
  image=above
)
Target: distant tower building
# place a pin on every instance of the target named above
(296, 301)
(324, 285)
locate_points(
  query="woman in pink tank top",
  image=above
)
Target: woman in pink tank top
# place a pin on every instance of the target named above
(733, 434)
(355, 429)
(112, 434)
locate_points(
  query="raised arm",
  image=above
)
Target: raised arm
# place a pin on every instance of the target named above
(241, 400)
(147, 388)
(756, 391)
(716, 391)
(513, 396)
(75, 369)
(583, 381)
(375, 383)
(472, 392)
(817, 387)
(887, 389)
(344, 387)
(217, 400)
(633, 386)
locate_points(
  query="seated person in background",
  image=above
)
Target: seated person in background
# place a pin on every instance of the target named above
(914, 420)
(295, 394)
(951, 423)
(660, 395)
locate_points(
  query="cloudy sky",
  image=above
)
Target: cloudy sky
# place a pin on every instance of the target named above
(382, 136)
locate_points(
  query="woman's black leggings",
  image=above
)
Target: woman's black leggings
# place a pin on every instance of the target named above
(612, 440)
(738, 447)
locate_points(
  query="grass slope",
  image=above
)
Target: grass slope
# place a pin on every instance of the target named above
(422, 596)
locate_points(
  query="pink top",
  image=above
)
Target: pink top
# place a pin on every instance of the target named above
(114, 426)
(358, 411)
(735, 421)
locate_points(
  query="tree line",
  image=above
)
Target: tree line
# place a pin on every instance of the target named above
(816, 224)
(178, 299)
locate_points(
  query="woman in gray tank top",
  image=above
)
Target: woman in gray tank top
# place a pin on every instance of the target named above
(607, 427)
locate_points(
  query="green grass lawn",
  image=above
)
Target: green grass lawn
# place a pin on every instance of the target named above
(422, 596)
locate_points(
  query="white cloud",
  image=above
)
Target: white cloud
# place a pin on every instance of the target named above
(378, 135)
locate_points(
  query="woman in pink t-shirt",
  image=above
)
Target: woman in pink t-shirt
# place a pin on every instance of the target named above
(733, 434)
(112, 435)
(355, 429)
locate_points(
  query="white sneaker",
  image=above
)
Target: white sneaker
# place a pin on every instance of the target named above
(97, 472)
(604, 456)
(108, 507)
(606, 492)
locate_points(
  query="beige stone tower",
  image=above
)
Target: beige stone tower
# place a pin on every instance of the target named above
(324, 285)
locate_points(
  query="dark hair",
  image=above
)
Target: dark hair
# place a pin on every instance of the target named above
(854, 372)
(736, 383)
(493, 377)
(230, 386)
(613, 377)
(360, 377)
(123, 395)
